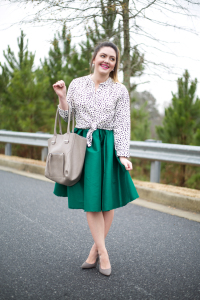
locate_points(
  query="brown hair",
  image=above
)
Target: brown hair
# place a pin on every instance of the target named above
(113, 74)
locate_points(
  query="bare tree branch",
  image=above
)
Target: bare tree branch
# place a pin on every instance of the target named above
(75, 14)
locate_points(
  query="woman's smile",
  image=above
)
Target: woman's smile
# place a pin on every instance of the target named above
(104, 66)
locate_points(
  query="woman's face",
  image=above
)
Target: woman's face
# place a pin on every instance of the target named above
(105, 60)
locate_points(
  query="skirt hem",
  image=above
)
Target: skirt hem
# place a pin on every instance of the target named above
(103, 210)
(124, 204)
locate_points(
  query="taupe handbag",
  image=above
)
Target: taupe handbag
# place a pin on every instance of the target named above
(66, 154)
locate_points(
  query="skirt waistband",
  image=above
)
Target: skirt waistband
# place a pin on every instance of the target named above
(90, 132)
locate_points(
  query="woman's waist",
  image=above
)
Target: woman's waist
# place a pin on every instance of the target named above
(97, 129)
(94, 126)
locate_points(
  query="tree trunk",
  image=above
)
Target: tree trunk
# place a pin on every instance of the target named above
(126, 54)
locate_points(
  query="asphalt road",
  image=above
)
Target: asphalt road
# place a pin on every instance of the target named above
(153, 255)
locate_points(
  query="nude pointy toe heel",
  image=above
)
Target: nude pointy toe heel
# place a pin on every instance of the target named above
(86, 265)
(105, 272)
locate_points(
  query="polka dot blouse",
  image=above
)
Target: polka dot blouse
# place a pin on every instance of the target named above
(107, 108)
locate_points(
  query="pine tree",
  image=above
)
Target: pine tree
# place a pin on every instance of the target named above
(140, 125)
(63, 63)
(155, 118)
(22, 104)
(182, 117)
(13, 63)
(181, 122)
(4, 81)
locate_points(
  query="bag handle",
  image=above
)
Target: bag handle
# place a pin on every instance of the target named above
(60, 127)
(69, 115)
(68, 126)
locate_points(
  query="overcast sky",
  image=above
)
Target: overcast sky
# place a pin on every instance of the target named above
(183, 48)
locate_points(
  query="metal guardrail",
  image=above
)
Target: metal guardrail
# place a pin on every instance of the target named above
(156, 151)
(175, 153)
(25, 138)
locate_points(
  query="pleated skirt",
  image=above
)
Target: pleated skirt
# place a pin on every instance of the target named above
(105, 183)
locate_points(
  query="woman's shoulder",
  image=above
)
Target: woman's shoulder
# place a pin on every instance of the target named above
(81, 79)
(119, 84)
(120, 87)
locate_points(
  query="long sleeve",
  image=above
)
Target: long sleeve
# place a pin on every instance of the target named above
(122, 124)
(70, 101)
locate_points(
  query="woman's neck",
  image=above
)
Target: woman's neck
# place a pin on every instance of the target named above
(98, 78)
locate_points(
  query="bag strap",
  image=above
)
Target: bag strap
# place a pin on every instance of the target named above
(69, 116)
(60, 127)
(68, 125)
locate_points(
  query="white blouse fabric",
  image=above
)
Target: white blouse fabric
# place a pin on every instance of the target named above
(107, 108)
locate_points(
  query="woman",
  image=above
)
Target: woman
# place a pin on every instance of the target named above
(102, 111)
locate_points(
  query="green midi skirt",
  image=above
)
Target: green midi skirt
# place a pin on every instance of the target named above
(105, 183)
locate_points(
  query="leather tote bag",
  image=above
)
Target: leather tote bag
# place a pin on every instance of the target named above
(66, 154)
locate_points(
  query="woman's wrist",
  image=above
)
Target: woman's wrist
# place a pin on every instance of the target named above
(63, 103)
(62, 99)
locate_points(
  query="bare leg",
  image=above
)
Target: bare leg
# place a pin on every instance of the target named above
(105, 223)
(108, 218)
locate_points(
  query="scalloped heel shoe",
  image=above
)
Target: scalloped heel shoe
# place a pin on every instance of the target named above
(86, 265)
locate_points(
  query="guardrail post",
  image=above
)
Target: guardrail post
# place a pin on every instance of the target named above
(155, 171)
(155, 166)
(44, 153)
(8, 149)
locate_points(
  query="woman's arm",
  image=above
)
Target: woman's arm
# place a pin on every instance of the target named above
(63, 103)
(122, 128)
(64, 100)
(122, 124)
(60, 89)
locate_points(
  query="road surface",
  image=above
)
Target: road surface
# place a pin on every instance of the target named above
(153, 255)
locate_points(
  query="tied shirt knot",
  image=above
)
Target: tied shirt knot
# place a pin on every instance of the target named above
(90, 132)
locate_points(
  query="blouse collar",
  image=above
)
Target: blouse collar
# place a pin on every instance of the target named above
(107, 82)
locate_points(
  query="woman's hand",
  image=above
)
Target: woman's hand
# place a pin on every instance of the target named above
(127, 163)
(60, 89)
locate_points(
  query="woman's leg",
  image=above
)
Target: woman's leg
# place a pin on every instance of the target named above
(107, 218)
